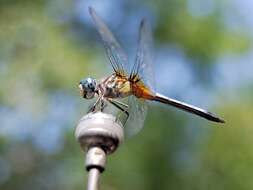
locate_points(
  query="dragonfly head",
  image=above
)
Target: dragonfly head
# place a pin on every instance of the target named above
(87, 88)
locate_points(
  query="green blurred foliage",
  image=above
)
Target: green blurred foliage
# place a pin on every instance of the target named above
(177, 25)
(39, 55)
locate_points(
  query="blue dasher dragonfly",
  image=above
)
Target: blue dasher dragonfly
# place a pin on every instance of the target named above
(135, 84)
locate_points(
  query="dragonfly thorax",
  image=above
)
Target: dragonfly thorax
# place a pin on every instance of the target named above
(115, 87)
(87, 87)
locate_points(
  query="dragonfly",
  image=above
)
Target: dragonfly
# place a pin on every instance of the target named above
(135, 84)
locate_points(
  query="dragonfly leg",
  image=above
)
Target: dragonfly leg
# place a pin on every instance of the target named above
(93, 107)
(103, 104)
(121, 106)
(119, 103)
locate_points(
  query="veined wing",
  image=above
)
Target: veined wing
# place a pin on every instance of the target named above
(140, 72)
(113, 49)
(142, 68)
(138, 111)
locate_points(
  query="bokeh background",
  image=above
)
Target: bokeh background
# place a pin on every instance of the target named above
(203, 55)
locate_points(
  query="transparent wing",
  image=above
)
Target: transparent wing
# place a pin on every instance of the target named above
(142, 67)
(113, 49)
(138, 111)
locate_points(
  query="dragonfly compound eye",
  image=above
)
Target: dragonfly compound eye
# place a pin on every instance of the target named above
(88, 87)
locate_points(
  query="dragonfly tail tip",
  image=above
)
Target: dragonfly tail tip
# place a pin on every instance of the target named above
(222, 121)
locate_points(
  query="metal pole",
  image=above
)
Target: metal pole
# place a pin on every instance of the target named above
(99, 134)
(95, 163)
(93, 177)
